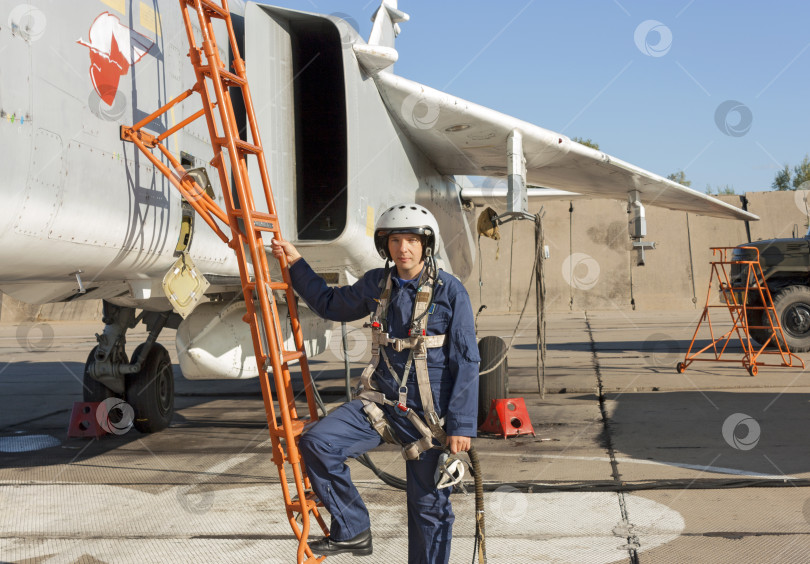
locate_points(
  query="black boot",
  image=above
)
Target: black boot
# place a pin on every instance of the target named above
(358, 546)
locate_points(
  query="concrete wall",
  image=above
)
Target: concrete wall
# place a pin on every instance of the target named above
(590, 266)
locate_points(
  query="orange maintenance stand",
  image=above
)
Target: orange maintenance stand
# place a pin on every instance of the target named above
(742, 291)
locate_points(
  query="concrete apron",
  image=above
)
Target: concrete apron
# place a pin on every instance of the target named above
(630, 460)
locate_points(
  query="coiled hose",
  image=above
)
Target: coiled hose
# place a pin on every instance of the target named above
(480, 540)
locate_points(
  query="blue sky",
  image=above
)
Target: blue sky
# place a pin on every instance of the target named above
(718, 89)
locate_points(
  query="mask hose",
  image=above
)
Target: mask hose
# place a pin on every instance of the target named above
(480, 541)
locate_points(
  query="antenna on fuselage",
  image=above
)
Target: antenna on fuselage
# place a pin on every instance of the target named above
(386, 22)
(379, 55)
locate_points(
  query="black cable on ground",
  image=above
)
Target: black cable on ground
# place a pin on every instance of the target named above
(613, 487)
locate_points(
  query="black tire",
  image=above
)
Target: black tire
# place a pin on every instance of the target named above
(492, 384)
(92, 389)
(150, 392)
(793, 309)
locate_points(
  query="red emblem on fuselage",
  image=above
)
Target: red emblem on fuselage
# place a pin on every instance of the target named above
(113, 49)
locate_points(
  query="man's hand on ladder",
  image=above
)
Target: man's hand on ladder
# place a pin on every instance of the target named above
(282, 248)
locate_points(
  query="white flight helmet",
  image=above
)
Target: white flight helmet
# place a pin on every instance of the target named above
(407, 218)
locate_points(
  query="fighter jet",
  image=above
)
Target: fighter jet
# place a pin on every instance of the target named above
(87, 217)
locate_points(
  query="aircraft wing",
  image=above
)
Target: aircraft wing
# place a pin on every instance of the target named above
(464, 138)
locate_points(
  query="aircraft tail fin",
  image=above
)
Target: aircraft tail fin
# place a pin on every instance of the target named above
(386, 24)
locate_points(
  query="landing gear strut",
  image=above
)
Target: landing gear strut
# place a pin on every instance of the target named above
(147, 383)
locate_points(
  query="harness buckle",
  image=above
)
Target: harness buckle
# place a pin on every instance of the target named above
(403, 395)
(398, 345)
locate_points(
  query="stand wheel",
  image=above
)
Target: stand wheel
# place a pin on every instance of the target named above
(681, 368)
(752, 370)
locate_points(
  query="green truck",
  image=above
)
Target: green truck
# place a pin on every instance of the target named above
(786, 269)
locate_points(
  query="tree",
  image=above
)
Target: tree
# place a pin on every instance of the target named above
(796, 180)
(725, 190)
(586, 142)
(801, 174)
(782, 180)
(680, 178)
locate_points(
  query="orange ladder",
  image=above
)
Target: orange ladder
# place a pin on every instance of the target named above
(736, 299)
(247, 226)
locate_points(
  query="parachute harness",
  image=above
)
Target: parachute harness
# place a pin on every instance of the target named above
(417, 342)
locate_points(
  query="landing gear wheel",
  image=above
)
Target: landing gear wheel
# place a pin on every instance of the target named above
(150, 392)
(92, 389)
(681, 368)
(493, 382)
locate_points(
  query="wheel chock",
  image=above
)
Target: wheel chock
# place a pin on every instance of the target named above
(83, 422)
(508, 417)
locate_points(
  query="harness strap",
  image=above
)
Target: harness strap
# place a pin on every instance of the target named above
(426, 394)
(383, 339)
(376, 417)
(418, 343)
(424, 297)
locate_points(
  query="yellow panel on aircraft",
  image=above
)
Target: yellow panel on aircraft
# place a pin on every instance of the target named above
(369, 221)
(149, 19)
(117, 5)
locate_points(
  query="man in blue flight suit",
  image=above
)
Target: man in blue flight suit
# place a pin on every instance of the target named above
(411, 305)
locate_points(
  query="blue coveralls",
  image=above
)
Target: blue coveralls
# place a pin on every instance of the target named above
(346, 432)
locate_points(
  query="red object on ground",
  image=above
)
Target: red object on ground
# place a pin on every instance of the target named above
(508, 417)
(83, 422)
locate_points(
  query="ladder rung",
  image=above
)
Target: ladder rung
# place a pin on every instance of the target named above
(257, 215)
(242, 146)
(215, 9)
(297, 428)
(265, 226)
(228, 78)
(311, 501)
(261, 221)
(265, 221)
(289, 356)
(251, 286)
(286, 358)
(246, 147)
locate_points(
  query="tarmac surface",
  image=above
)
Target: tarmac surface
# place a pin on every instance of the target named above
(631, 462)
